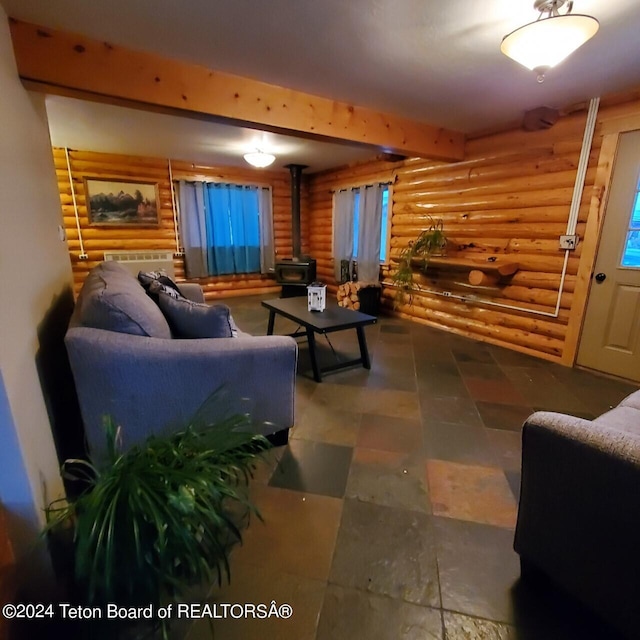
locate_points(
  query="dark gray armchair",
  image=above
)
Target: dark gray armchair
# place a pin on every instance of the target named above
(579, 514)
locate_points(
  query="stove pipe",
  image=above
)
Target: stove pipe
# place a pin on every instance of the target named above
(296, 179)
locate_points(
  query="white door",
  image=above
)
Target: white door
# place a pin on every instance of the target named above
(610, 339)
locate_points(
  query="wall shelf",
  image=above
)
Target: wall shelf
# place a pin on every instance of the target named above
(482, 270)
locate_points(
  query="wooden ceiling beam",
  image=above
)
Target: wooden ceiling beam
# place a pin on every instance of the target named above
(79, 64)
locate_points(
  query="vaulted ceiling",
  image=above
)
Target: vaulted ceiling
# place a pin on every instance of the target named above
(434, 62)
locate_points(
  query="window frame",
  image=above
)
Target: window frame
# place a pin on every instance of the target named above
(219, 180)
(384, 234)
(631, 228)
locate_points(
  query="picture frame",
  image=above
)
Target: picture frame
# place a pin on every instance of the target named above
(121, 202)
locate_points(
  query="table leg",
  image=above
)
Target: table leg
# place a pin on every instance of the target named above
(272, 319)
(311, 340)
(364, 352)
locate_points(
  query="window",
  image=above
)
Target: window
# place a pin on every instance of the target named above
(631, 253)
(384, 224)
(361, 230)
(226, 228)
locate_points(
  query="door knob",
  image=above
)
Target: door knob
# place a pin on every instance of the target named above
(601, 277)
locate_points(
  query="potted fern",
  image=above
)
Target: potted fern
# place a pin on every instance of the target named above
(158, 519)
(415, 256)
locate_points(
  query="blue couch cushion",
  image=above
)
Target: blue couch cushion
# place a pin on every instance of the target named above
(189, 319)
(112, 299)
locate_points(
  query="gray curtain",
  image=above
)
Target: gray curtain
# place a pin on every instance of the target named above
(192, 228)
(267, 252)
(342, 229)
(370, 221)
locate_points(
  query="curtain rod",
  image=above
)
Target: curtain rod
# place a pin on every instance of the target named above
(366, 186)
(226, 183)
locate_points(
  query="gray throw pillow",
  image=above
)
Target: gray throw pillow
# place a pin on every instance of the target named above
(150, 280)
(189, 319)
(156, 288)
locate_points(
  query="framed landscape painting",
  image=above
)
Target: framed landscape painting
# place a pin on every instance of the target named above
(129, 203)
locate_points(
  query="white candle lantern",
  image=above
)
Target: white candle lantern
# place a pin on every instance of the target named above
(317, 296)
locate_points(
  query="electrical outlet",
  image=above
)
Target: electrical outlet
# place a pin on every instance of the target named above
(446, 294)
(569, 242)
(83, 256)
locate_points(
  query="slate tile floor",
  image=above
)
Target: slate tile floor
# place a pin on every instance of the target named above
(390, 514)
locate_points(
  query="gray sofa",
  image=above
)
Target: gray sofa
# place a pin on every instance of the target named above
(126, 364)
(579, 514)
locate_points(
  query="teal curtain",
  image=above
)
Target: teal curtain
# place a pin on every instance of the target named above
(233, 229)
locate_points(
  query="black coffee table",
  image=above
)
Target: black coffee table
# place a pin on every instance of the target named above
(333, 318)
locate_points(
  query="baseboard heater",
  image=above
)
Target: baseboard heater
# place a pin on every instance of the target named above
(135, 261)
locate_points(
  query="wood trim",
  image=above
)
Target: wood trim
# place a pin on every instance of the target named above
(624, 123)
(597, 207)
(79, 63)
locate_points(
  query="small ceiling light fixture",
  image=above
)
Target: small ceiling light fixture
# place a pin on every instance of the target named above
(259, 158)
(543, 44)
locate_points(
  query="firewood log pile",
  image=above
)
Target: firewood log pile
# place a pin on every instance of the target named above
(348, 294)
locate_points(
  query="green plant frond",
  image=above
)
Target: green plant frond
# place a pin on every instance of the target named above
(157, 518)
(113, 437)
(209, 411)
(78, 469)
(416, 256)
(183, 500)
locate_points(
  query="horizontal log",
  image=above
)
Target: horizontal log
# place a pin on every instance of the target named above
(92, 170)
(541, 198)
(542, 298)
(494, 316)
(150, 244)
(414, 168)
(424, 319)
(543, 280)
(237, 293)
(567, 128)
(539, 214)
(403, 227)
(507, 335)
(482, 296)
(537, 166)
(239, 284)
(519, 184)
(481, 279)
(117, 233)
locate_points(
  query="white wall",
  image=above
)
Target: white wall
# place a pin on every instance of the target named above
(34, 270)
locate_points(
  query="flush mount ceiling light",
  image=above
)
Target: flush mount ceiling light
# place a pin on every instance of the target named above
(259, 158)
(543, 44)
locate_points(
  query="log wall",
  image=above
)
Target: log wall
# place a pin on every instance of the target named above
(97, 240)
(509, 198)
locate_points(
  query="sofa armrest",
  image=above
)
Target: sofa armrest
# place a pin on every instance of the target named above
(579, 510)
(192, 291)
(151, 385)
